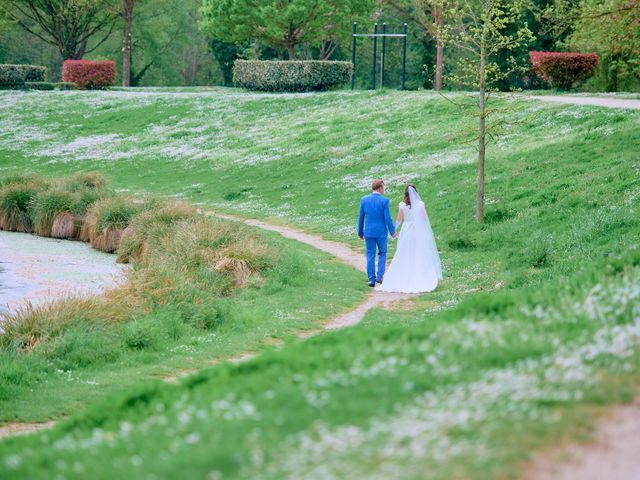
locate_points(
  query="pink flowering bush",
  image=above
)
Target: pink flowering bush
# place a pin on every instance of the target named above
(563, 69)
(89, 74)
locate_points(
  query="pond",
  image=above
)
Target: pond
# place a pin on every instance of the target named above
(38, 269)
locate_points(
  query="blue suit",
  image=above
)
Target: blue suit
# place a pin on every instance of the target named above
(375, 225)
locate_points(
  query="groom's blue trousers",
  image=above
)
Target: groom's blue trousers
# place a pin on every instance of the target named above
(373, 244)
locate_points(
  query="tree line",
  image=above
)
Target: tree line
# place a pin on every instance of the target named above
(195, 42)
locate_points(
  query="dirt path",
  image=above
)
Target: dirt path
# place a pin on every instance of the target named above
(15, 428)
(595, 101)
(343, 253)
(613, 454)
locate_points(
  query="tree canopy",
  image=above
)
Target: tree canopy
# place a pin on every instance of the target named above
(69, 25)
(283, 24)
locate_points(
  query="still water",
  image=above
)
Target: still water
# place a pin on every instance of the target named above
(38, 269)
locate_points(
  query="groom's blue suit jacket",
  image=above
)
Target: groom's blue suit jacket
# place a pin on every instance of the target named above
(375, 217)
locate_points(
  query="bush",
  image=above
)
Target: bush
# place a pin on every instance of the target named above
(15, 76)
(40, 85)
(88, 74)
(280, 76)
(563, 69)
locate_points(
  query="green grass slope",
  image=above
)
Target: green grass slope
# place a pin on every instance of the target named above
(535, 325)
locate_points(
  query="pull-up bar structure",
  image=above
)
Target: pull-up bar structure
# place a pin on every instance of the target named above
(375, 35)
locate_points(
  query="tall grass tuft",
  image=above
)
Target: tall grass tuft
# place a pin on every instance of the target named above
(82, 181)
(149, 226)
(47, 205)
(31, 326)
(23, 178)
(106, 221)
(209, 253)
(15, 207)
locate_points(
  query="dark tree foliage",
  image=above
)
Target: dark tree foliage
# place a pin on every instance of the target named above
(226, 54)
(69, 25)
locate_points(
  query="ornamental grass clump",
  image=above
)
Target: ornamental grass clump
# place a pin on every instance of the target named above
(148, 227)
(23, 178)
(16, 200)
(106, 221)
(47, 205)
(85, 189)
(206, 253)
(85, 181)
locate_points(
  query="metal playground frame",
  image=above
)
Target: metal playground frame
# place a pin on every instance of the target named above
(375, 35)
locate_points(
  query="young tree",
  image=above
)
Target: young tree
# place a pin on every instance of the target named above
(282, 24)
(67, 24)
(483, 30)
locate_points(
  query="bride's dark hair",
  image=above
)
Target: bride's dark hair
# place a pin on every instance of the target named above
(407, 200)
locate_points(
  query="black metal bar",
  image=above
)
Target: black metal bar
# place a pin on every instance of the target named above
(375, 46)
(353, 56)
(384, 43)
(404, 56)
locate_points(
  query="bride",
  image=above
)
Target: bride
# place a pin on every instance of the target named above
(415, 267)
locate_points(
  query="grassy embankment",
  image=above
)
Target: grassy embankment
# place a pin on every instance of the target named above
(543, 300)
(199, 289)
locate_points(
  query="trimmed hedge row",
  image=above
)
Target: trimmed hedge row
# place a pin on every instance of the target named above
(15, 76)
(288, 76)
(88, 74)
(563, 69)
(49, 85)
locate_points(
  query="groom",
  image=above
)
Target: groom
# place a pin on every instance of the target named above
(374, 226)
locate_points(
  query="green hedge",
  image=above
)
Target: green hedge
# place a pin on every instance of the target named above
(297, 76)
(39, 85)
(15, 76)
(49, 85)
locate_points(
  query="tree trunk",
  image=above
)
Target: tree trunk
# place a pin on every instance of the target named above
(127, 14)
(439, 19)
(291, 49)
(482, 144)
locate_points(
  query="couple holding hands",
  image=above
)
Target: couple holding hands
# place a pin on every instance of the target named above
(415, 267)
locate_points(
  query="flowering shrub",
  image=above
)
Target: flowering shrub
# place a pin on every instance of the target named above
(88, 74)
(15, 76)
(287, 76)
(563, 69)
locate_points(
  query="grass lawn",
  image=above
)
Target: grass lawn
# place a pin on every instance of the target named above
(535, 325)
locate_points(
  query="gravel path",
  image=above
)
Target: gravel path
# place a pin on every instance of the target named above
(596, 101)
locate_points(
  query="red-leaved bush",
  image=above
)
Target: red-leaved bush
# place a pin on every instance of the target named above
(89, 74)
(563, 69)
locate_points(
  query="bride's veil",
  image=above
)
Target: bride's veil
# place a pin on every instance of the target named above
(422, 220)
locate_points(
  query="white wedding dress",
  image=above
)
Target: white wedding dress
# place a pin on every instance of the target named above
(415, 267)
